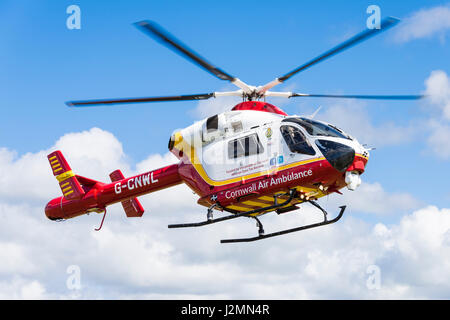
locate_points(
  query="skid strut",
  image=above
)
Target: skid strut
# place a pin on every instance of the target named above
(210, 220)
(261, 235)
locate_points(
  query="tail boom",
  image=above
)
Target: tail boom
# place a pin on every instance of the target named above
(97, 195)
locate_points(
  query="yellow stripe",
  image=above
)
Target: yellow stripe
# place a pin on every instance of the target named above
(54, 157)
(54, 161)
(64, 176)
(66, 194)
(362, 156)
(266, 198)
(64, 184)
(59, 169)
(66, 189)
(56, 166)
(253, 203)
(239, 208)
(189, 151)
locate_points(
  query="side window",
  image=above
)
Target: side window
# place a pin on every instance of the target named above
(296, 140)
(245, 146)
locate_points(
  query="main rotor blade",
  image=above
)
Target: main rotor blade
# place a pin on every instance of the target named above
(362, 36)
(162, 36)
(90, 103)
(372, 97)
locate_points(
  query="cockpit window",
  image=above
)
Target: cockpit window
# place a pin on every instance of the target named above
(316, 128)
(296, 140)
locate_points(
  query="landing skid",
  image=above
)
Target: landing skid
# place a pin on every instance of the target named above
(279, 233)
(261, 235)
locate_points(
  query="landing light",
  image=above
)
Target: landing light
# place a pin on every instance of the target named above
(352, 179)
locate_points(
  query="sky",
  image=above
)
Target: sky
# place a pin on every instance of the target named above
(394, 239)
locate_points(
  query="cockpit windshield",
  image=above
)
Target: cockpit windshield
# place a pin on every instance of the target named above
(296, 140)
(315, 128)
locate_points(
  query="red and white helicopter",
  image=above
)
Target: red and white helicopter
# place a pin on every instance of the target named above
(248, 161)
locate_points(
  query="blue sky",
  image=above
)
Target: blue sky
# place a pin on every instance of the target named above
(43, 64)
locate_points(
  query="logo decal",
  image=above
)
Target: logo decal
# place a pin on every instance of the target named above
(276, 160)
(269, 133)
(273, 161)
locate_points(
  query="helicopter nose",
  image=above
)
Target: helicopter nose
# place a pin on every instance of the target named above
(339, 155)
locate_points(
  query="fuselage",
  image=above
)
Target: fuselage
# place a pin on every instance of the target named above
(242, 159)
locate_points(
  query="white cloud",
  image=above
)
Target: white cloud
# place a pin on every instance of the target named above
(94, 153)
(21, 289)
(437, 87)
(141, 258)
(14, 259)
(424, 23)
(415, 246)
(28, 175)
(156, 161)
(32, 291)
(372, 198)
(438, 141)
(352, 117)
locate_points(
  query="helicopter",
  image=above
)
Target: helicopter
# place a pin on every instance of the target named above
(246, 162)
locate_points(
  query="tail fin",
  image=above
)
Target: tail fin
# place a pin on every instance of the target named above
(70, 186)
(132, 207)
